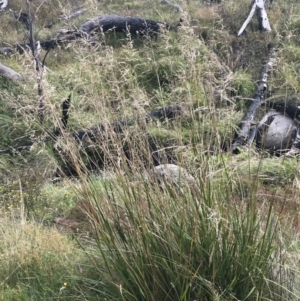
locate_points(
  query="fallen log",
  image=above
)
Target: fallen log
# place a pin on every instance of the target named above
(247, 132)
(9, 73)
(291, 110)
(16, 149)
(7, 50)
(134, 25)
(91, 134)
(106, 23)
(242, 136)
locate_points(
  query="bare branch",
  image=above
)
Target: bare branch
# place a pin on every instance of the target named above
(35, 49)
(259, 6)
(4, 4)
(248, 19)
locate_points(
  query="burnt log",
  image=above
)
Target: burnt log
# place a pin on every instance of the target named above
(16, 149)
(134, 25)
(291, 110)
(23, 18)
(91, 143)
(242, 136)
(106, 23)
(92, 134)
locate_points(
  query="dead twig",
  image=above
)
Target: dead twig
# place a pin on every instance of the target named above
(35, 50)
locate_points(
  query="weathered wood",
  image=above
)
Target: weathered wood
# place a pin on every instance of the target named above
(242, 136)
(7, 50)
(16, 149)
(118, 23)
(106, 23)
(9, 73)
(263, 20)
(259, 7)
(293, 111)
(4, 4)
(35, 48)
(93, 133)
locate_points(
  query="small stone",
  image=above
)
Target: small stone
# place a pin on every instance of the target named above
(172, 172)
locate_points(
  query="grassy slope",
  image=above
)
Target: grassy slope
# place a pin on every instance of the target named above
(124, 76)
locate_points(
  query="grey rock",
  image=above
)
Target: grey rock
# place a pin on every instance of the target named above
(171, 173)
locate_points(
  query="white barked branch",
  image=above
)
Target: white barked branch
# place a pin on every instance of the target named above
(259, 6)
(3, 3)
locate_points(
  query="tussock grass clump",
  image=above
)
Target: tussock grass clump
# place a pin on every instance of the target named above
(184, 244)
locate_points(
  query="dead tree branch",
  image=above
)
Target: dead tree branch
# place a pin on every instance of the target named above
(35, 50)
(259, 7)
(4, 3)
